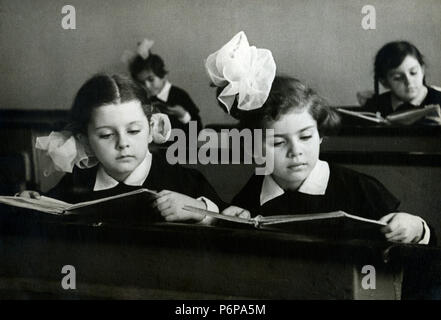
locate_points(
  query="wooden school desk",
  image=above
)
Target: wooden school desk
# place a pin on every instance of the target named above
(186, 261)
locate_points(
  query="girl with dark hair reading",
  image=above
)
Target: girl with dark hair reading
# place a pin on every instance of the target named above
(105, 152)
(300, 182)
(400, 67)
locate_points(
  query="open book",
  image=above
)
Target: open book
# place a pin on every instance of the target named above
(407, 117)
(337, 224)
(57, 207)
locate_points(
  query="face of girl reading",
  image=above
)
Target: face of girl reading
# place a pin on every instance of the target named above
(119, 135)
(406, 81)
(295, 146)
(151, 81)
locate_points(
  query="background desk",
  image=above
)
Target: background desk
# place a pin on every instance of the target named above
(179, 261)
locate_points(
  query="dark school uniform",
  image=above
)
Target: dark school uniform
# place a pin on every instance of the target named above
(178, 96)
(354, 193)
(347, 190)
(383, 103)
(78, 186)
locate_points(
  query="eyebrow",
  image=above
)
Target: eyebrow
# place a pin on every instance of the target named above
(110, 127)
(394, 71)
(300, 131)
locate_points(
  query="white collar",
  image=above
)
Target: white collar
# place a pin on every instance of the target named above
(315, 184)
(163, 95)
(103, 181)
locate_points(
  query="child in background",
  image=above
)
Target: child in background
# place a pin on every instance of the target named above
(399, 67)
(301, 183)
(149, 71)
(109, 143)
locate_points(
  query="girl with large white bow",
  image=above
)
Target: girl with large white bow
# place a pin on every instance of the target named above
(300, 182)
(106, 152)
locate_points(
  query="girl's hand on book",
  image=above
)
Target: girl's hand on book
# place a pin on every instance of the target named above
(29, 194)
(170, 205)
(236, 212)
(403, 227)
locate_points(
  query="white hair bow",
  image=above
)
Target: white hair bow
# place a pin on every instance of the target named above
(245, 71)
(143, 51)
(161, 127)
(62, 151)
(65, 152)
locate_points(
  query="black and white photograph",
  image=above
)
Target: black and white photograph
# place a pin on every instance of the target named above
(210, 153)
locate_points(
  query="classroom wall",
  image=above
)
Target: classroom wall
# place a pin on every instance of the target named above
(321, 42)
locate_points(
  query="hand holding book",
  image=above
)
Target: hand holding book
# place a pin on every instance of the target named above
(403, 227)
(138, 203)
(234, 211)
(171, 206)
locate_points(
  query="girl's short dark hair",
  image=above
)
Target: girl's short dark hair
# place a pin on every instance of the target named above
(153, 63)
(289, 94)
(390, 56)
(100, 90)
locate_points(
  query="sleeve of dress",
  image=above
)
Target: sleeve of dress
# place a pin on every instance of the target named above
(191, 107)
(74, 187)
(376, 200)
(62, 189)
(370, 105)
(379, 201)
(197, 186)
(249, 196)
(433, 241)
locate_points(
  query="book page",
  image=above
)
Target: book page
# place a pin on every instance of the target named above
(365, 219)
(314, 216)
(220, 216)
(93, 202)
(268, 220)
(410, 116)
(435, 116)
(44, 204)
(54, 206)
(280, 219)
(374, 117)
